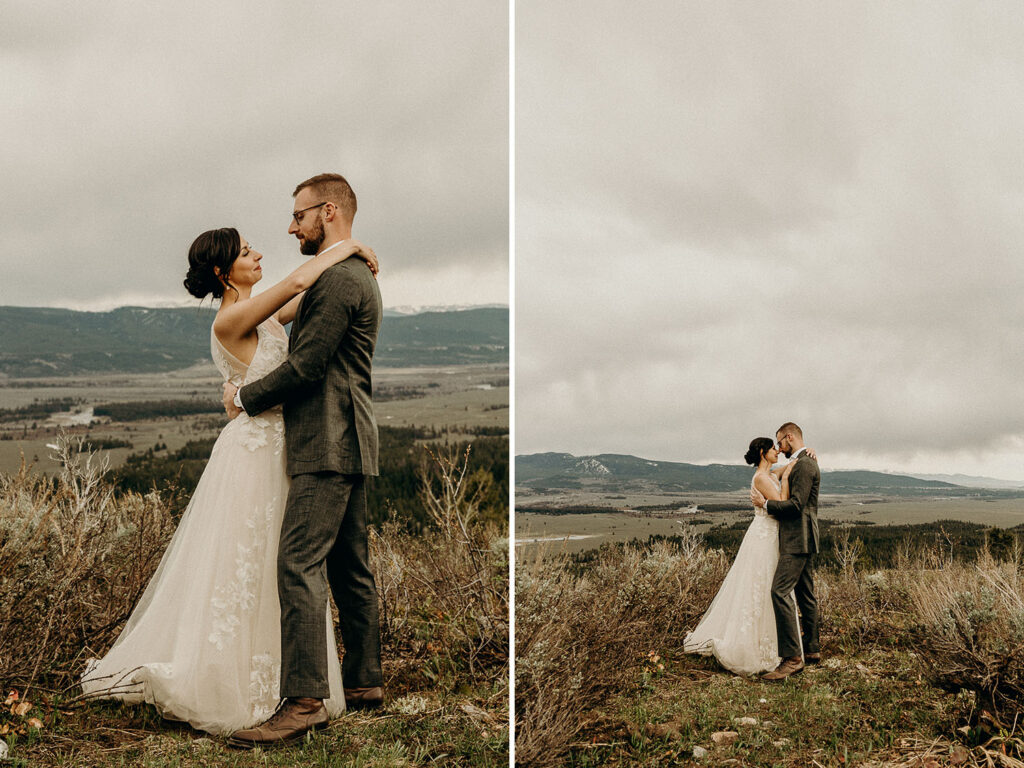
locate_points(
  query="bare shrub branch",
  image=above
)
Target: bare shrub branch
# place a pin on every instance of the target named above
(73, 562)
(445, 592)
(582, 637)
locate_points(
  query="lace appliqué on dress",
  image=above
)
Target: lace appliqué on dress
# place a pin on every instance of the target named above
(264, 686)
(259, 431)
(268, 427)
(755, 611)
(230, 600)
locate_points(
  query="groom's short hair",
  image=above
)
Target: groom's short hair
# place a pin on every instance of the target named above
(789, 426)
(332, 188)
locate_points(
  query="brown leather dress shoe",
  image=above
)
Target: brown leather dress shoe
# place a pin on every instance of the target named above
(364, 698)
(293, 720)
(788, 667)
(812, 658)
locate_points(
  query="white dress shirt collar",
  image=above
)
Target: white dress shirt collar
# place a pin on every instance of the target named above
(331, 247)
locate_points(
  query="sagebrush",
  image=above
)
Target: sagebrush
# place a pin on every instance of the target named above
(581, 638)
(73, 561)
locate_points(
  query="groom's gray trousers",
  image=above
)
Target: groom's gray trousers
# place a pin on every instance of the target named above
(324, 541)
(795, 574)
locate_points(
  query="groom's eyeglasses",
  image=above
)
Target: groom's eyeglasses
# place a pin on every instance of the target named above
(297, 215)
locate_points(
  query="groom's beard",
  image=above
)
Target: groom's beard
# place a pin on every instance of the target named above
(311, 244)
(788, 454)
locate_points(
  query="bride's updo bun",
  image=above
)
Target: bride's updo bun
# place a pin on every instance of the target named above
(758, 447)
(217, 248)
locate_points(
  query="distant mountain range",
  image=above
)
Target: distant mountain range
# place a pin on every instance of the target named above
(971, 481)
(404, 311)
(42, 341)
(617, 472)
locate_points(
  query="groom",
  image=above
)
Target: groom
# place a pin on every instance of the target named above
(331, 441)
(798, 541)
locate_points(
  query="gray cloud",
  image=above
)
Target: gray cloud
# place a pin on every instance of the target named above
(130, 128)
(729, 216)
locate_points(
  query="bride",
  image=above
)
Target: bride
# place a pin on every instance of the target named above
(203, 644)
(739, 627)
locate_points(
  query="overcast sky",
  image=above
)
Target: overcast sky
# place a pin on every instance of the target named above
(129, 128)
(734, 214)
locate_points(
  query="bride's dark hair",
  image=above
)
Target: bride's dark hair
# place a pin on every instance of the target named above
(217, 248)
(758, 447)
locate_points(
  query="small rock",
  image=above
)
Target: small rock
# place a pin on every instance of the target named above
(698, 752)
(724, 738)
(781, 743)
(768, 724)
(763, 701)
(4, 749)
(744, 721)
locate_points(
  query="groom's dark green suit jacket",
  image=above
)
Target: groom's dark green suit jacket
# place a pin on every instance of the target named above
(325, 383)
(798, 515)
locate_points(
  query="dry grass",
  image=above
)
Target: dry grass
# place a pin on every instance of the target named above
(971, 633)
(862, 611)
(924, 665)
(445, 593)
(582, 638)
(74, 560)
(964, 620)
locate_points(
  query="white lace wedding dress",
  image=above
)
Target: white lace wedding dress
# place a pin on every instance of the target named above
(204, 643)
(739, 627)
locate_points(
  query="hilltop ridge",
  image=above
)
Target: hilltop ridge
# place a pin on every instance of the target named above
(47, 341)
(616, 472)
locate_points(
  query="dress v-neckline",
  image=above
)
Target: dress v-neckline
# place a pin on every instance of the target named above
(228, 353)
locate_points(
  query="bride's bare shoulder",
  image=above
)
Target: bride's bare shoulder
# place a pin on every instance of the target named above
(763, 479)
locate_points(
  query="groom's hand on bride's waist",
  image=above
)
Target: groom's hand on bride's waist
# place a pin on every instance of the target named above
(229, 400)
(756, 498)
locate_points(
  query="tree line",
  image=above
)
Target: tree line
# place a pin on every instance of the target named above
(156, 409)
(404, 459)
(869, 545)
(39, 409)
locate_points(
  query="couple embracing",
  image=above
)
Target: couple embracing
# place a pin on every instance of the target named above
(764, 618)
(236, 617)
